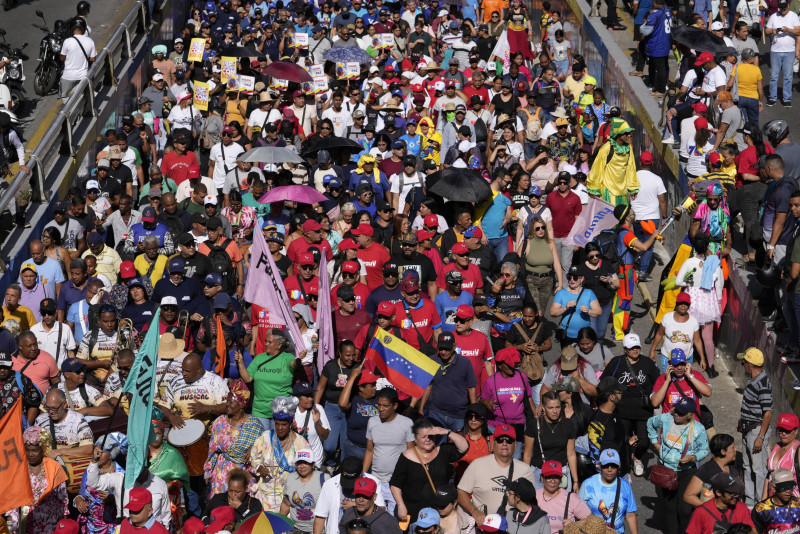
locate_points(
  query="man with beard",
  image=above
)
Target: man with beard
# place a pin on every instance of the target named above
(412, 260)
(311, 238)
(389, 291)
(463, 220)
(417, 316)
(173, 217)
(451, 299)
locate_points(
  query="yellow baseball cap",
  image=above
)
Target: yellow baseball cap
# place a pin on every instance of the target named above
(752, 356)
(589, 80)
(29, 265)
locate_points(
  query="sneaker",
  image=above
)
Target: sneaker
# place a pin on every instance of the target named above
(636, 73)
(668, 140)
(638, 467)
(787, 104)
(770, 103)
(644, 277)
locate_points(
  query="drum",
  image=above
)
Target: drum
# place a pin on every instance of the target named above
(188, 434)
(75, 467)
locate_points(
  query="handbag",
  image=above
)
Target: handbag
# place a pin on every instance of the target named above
(205, 139)
(561, 333)
(665, 477)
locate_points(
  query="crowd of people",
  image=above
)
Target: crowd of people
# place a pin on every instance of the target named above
(504, 438)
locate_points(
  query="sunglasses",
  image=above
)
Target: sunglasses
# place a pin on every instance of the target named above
(307, 267)
(537, 228)
(459, 320)
(572, 277)
(226, 134)
(504, 439)
(385, 318)
(351, 299)
(314, 297)
(348, 275)
(471, 416)
(43, 313)
(593, 256)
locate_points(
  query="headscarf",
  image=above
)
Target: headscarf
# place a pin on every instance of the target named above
(304, 311)
(283, 408)
(239, 391)
(116, 444)
(619, 126)
(714, 225)
(36, 435)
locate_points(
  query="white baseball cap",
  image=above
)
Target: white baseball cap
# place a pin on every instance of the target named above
(439, 86)
(210, 199)
(92, 184)
(304, 455)
(166, 301)
(631, 340)
(716, 26)
(157, 77)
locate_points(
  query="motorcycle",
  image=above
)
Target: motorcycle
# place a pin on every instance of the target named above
(13, 75)
(48, 73)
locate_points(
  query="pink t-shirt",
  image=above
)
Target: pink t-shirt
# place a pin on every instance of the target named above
(509, 395)
(554, 508)
(40, 370)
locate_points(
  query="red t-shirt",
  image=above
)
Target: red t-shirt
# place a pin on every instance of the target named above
(746, 159)
(471, 277)
(373, 259)
(177, 167)
(300, 245)
(261, 317)
(673, 395)
(482, 92)
(564, 210)
(425, 317)
(293, 289)
(702, 522)
(476, 348)
(348, 326)
(361, 291)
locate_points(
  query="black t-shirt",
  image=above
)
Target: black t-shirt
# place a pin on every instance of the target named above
(550, 440)
(641, 383)
(110, 187)
(198, 266)
(421, 264)
(122, 174)
(283, 265)
(515, 336)
(383, 234)
(449, 239)
(591, 280)
(510, 301)
(485, 259)
(412, 479)
(606, 432)
(337, 379)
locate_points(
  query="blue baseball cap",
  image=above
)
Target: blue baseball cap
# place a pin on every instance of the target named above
(303, 388)
(684, 406)
(535, 191)
(213, 279)
(72, 365)
(677, 356)
(427, 518)
(228, 28)
(335, 182)
(222, 301)
(609, 456)
(135, 281)
(176, 265)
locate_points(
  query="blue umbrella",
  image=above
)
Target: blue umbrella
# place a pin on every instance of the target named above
(347, 53)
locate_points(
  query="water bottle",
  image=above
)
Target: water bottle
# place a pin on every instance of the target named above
(707, 494)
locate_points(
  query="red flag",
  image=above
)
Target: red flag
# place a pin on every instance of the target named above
(13, 463)
(222, 350)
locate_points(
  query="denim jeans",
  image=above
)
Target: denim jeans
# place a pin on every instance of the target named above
(600, 323)
(781, 61)
(268, 422)
(500, 247)
(196, 496)
(352, 449)
(454, 424)
(337, 435)
(750, 108)
(646, 256)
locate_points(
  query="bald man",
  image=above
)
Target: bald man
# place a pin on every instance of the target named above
(48, 270)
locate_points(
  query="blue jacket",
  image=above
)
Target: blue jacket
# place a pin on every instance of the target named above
(670, 456)
(658, 44)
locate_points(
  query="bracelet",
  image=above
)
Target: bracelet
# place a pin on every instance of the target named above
(762, 436)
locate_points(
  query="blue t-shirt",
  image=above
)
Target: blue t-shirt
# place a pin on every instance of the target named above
(379, 294)
(493, 218)
(659, 42)
(78, 314)
(600, 499)
(379, 187)
(446, 306)
(49, 274)
(580, 319)
(371, 208)
(233, 369)
(139, 314)
(449, 395)
(70, 294)
(413, 143)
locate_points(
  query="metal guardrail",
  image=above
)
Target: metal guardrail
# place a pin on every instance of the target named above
(58, 141)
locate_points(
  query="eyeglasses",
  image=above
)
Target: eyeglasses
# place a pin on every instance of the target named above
(460, 255)
(307, 267)
(53, 408)
(366, 193)
(504, 439)
(572, 277)
(325, 128)
(784, 430)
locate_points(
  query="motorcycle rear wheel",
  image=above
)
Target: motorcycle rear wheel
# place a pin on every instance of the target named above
(44, 81)
(17, 102)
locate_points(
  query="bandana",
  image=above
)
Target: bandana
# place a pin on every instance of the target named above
(239, 392)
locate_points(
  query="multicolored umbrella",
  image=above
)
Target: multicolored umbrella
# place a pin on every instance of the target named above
(296, 193)
(266, 523)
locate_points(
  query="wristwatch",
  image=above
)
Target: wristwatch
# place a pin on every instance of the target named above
(770, 247)
(762, 436)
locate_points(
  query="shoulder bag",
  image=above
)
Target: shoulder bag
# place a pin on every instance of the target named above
(644, 398)
(561, 333)
(427, 472)
(706, 417)
(721, 524)
(205, 139)
(665, 477)
(616, 504)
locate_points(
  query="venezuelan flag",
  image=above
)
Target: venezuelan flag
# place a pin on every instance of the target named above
(405, 367)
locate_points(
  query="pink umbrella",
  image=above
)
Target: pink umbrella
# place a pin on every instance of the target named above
(284, 70)
(296, 193)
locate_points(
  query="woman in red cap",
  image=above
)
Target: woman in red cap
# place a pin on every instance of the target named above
(784, 453)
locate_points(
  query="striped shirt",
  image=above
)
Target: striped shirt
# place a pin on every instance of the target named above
(757, 398)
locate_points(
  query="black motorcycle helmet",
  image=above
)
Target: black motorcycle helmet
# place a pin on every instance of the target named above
(776, 131)
(83, 8)
(77, 23)
(769, 276)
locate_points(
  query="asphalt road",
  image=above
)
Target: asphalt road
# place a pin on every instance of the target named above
(18, 24)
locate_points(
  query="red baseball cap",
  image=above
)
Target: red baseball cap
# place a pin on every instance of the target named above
(220, 517)
(366, 487)
(193, 525)
(350, 267)
(431, 221)
(417, 88)
(700, 122)
(138, 499)
(714, 158)
(703, 58)
(422, 235)
(646, 158)
(505, 430)
(311, 226)
(347, 244)
(363, 229)
(67, 526)
(385, 308)
(193, 172)
(459, 248)
(450, 83)
(127, 270)
(465, 312)
(683, 298)
(367, 378)
(699, 107)
(508, 355)
(788, 421)
(410, 283)
(552, 468)
(306, 258)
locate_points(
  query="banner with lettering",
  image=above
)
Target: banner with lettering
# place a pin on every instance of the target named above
(201, 95)
(598, 215)
(196, 49)
(228, 67)
(13, 462)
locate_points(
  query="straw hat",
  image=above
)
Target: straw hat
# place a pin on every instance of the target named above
(170, 348)
(433, 66)
(265, 97)
(590, 525)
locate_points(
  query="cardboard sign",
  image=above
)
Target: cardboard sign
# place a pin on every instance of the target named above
(228, 67)
(201, 95)
(316, 70)
(196, 48)
(300, 40)
(320, 84)
(281, 85)
(387, 40)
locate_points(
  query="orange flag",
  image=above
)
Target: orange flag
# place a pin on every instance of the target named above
(222, 352)
(13, 463)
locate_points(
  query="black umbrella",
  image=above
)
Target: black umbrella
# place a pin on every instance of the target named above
(317, 143)
(461, 185)
(240, 51)
(699, 40)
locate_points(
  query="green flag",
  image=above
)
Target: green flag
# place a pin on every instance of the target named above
(141, 384)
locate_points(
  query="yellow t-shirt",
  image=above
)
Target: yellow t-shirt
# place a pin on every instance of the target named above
(748, 77)
(24, 316)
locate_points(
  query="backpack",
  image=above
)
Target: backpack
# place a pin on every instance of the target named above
(533, 126)
(223, 265)
(608, 241)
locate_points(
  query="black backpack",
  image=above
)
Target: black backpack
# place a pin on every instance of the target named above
(608, 241)
(223, 265)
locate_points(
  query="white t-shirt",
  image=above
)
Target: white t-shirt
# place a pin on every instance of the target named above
(208, 389)
(678, 335)
(522, 215)
(783, 41)
(419, 221)
(687, 135)
(310, 113)
(182, 118)
(716, 78)
(645, 205)
(311, 432)
(75, 64)
(583, 194)
(329, 502)
(222, 158)
(409, 183)
(750, 11)
(559, 50)
(48, 341)
(696, 165)
(93, 396)
(339, 119)
(259, 117)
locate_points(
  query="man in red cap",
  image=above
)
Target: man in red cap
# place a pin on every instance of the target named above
(176, 164)
(470, 274)
(485, 479)
(297, 286)
(412, 260)
(140, 518)
(377, 518)
(222, 518)
(417, 316)
(649, 205)
(351, 278)
(311, 238)
(473, 345)
(714, 81)
(347, 319)
(373, 255)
